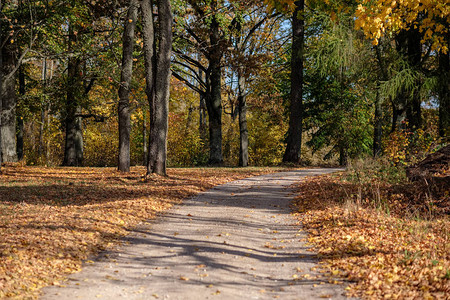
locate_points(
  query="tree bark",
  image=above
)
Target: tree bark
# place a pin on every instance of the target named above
(243, 130)
(73, 149)
(214, 98)
(144, 138)
(343, 155)
(19, 134)
(158, 162)
(294, 138)
(9, 101)
(158, 80)
(148, 34)
(124, 89)
(1, 86)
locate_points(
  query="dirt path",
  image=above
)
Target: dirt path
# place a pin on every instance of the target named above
(235, 241)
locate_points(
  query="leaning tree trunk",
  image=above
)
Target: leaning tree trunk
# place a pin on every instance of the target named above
(9, 101)
(243, 130)
(124, 89)
(294, 138)
(73, 149)
(214, 98)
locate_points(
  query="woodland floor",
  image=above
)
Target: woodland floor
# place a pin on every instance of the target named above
(53, 219)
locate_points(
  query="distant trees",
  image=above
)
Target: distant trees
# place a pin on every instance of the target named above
(91, 66)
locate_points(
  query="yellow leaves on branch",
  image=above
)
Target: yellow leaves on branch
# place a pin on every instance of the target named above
(377, 18)
(283, 6)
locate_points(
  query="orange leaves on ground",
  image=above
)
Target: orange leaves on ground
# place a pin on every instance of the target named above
(53, 218)
(393, 257)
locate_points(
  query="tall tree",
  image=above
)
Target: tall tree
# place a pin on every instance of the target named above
(157, 54)
(73, 149)
(124, 89)
(294, 135)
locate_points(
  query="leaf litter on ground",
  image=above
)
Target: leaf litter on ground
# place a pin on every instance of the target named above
(53, 219)
(386, 249)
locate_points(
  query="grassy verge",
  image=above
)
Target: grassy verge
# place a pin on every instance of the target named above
(54, 218)
(378, 234)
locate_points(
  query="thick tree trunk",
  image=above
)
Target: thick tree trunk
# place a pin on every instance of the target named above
(1, 86)
(124, 89)
(73, 149)
(148, 34)
(9, 101)
(162, 87)
(214, 98)
(294, 138)
(444, 95)
(243, 130)
(158, 81)
(408, 44)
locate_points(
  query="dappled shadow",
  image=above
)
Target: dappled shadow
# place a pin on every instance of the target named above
(77, 194)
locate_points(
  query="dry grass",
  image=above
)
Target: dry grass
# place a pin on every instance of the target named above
(54, 218)
(379, 237)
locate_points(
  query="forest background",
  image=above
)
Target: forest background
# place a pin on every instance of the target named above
(375, 81)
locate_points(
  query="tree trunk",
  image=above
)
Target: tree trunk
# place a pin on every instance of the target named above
(144, 138)
(294, 138)
(444, 95)
(9, 101)
(41, 131)
(19, 134)
(73, 149)
(214, 98)
(158, 81)
(148, 35)
(343, 156)
(202, 126)
(158, 162)
(243, 131)
(124, 89)
(1, 86)
(377, 126)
